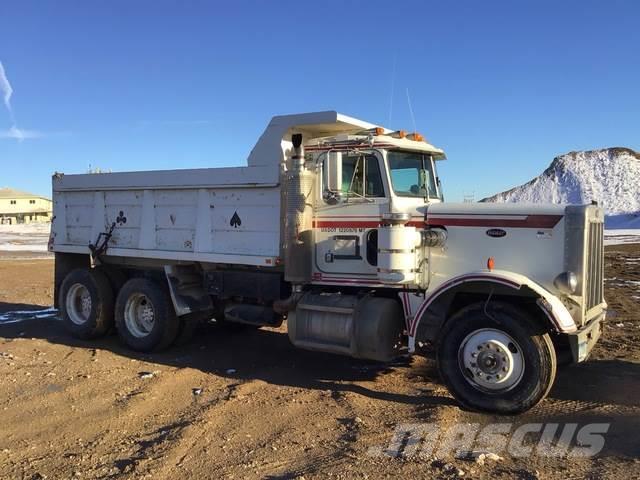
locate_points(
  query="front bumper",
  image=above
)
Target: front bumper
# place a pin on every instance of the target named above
(583, 341)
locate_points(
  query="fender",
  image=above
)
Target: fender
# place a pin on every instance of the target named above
(550, 304)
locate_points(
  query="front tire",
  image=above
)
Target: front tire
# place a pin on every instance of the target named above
(86, 303)
(498, 360)
(145, 318)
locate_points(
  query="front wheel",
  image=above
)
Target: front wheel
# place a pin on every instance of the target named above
(497, 359)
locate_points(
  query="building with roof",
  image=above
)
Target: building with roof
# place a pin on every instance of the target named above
(23, 207)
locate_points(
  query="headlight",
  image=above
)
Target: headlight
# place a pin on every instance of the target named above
(566, 282)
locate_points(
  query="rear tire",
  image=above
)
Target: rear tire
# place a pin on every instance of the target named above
(86, 303)
(145, 318)
(502, 362)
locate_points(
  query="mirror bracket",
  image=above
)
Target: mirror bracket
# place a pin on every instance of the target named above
(334, 171)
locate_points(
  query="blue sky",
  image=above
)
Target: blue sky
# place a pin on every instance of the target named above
(503, 87)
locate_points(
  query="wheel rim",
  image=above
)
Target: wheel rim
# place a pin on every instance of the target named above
(78, 303)
(139, 315)
(491, 360)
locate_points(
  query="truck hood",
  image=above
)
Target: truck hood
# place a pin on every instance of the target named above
(498, 209)
(494, 215)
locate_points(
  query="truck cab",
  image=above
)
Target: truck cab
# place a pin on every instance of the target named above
(359, 179)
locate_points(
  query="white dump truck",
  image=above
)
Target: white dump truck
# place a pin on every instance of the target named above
(337, 226)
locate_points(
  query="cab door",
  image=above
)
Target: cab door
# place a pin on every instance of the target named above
(346, 219)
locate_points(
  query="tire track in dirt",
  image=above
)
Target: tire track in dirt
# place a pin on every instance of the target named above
(245, 440)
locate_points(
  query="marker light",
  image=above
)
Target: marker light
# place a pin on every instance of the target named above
(372, 131)
(491, 263)
(416, 137)
(399, 134)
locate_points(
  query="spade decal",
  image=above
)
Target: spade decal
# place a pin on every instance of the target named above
(235, 220)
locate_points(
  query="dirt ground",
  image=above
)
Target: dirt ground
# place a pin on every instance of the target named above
(234, 404)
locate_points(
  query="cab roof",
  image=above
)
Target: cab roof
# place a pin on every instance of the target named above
(275, 142)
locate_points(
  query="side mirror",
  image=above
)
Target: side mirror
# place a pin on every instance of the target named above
(424, 182)
(334, 172)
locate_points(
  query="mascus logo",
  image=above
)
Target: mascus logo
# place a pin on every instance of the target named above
(496, 232)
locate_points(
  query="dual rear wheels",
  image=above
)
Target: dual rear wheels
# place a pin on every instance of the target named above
(142, 311)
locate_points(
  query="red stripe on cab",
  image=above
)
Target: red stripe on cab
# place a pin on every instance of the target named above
(529, 221)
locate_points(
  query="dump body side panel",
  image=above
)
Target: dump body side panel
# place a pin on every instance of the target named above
(162, 216)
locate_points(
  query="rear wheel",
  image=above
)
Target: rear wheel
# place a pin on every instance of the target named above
(145, 318)
(86, 303)
(498, 360)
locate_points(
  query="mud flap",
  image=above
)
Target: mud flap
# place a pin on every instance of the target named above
(187, 292)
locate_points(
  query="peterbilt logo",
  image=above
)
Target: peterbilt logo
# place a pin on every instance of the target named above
(496, 232)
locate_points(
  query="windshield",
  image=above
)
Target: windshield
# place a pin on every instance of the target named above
(412, 174)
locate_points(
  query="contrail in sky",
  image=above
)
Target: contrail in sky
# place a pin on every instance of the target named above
(6, 91)
(14, 132)
(5, 88)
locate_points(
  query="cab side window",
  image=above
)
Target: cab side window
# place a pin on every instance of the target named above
(361, 176)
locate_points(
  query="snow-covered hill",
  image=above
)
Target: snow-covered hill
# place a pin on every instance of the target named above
(610, 176)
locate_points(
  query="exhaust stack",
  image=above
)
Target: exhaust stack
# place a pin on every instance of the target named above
(298, 221)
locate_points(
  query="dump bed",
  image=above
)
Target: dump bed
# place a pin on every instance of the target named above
(221, 215)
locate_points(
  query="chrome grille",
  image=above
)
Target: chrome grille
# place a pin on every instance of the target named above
(594, 266)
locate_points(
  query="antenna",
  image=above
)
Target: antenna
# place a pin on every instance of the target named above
(393, 85)
(413, 118)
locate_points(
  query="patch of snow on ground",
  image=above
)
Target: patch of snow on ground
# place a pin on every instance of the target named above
(31, 237)
(622, 236)
(634, 285)
(21, 315)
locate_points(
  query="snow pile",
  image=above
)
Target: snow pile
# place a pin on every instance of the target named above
(31, 237)
(610, 176)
